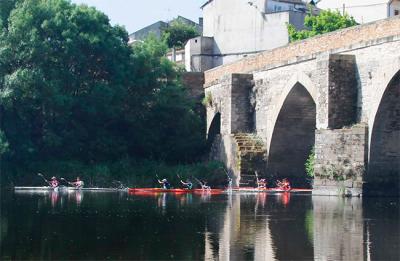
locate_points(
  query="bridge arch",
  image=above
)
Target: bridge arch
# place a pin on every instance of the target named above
(293, 133)
(384, 151)
(215, 127)
(298, 78)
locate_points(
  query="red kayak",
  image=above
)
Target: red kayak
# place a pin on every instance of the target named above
(160, 190)
(209, 191)
(175, 190)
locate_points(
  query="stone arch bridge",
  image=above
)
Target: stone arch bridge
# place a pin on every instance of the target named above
(337, 93)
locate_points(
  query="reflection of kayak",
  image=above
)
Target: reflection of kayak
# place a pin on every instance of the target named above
(270, 190)
(174, 190)
(158, 190)
(209, 191)
(62, 188)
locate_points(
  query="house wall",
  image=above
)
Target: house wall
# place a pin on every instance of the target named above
(363, 11)
(240, 29)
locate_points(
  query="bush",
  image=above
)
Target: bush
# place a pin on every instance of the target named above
(310, 163)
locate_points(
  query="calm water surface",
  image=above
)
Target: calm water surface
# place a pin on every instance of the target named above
(119, 226)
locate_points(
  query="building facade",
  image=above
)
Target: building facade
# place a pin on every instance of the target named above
(234, 29)
(158, 27)
(364, 11)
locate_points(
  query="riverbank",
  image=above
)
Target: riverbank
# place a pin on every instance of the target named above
(129, 172)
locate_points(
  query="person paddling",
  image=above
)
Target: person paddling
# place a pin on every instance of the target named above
(284, 184)
(203, 184)
(188, 184)
(165, 184)
(54, 182)
(78, 183)
(261, 183)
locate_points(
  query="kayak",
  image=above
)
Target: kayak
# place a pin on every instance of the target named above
(63, 188)
(158, 190)
(270, 190)
(175, 190)
(209, 191)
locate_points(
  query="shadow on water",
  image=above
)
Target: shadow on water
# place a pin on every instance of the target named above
(87, 226)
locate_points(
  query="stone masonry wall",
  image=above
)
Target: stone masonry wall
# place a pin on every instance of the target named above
(342, 91)
(340, 160)
(193, 82)
(240, 103)
(345, 72)
(303, 50)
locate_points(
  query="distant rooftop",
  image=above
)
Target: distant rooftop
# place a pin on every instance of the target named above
(283, 1)
(157, 28)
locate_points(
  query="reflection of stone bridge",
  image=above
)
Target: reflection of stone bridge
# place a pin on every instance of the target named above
(338, 92)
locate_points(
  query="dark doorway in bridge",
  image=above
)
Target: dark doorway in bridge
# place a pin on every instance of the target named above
(293, 138)
(384, 162)
(215, 130)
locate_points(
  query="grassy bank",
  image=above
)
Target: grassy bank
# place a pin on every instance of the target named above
(131, 173)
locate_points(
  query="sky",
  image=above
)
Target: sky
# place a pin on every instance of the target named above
(136, 14)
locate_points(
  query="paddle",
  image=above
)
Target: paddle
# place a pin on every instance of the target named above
(198, 181)
(203, 185)
(120, 184)
(41, 175)
(66, 181)
(179, 177)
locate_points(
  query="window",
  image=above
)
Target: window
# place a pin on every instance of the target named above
(396, 12)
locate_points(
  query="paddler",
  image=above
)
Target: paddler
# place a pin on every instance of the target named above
(284, 184)
(54, 182)
(261, 183)
(78, 183)
(188, 184)
(165, 183)
(204, 185)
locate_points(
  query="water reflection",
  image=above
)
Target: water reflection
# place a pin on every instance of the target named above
(338, 228)
(87, 225)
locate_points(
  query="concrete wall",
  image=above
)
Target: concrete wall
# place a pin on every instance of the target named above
(240, 29)
(395, 6)
(363, 11)
(198, 54)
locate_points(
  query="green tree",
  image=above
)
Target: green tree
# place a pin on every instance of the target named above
(310, 163)
(6, 7)
(64, 71)
(178, 32)
(171, 130)
(327, 21)
(72, 89)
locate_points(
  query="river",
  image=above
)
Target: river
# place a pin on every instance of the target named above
(119, 226)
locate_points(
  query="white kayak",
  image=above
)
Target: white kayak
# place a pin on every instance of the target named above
(63, 188)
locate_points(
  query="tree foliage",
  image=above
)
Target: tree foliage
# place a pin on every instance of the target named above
(71, 88)
(178, 32)
(310, 163)
(327, 21)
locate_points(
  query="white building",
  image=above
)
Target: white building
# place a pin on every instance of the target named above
(364, 11)
(233, 29)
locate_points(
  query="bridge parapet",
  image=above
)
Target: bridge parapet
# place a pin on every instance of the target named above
(300, 51)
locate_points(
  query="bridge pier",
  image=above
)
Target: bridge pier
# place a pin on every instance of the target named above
(340, 161)
(338, 92)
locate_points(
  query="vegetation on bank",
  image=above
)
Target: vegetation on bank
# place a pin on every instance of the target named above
(143, 173)
(326, 21)
(177, 33)
(310, 164)
(74, 95)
